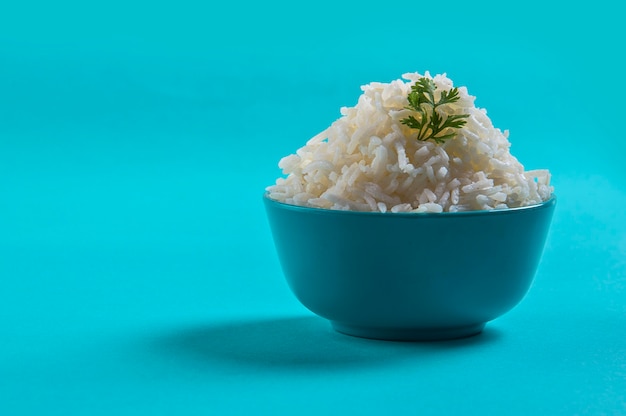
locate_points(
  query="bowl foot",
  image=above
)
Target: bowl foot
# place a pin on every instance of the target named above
(409, 334)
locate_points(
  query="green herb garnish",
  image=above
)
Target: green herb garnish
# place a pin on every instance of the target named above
(432, 124)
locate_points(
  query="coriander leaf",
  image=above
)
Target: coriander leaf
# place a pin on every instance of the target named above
(447, 97)
(412, 122)
(433, 123)
(456, 120)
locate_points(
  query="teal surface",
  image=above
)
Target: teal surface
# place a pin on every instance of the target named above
(137, 270)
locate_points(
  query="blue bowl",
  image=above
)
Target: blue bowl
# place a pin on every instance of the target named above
(409, 276)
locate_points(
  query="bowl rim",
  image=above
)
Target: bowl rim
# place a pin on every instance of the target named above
(550, 202)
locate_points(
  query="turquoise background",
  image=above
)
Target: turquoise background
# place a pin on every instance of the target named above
(137, 272)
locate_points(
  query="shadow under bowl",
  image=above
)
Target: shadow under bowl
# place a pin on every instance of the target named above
(409, 276)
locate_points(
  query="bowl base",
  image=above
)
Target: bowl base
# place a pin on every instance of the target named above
(409, 334)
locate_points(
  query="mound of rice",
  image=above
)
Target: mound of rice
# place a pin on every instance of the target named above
(367, 160)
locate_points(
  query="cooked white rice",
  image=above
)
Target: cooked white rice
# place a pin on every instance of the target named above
(368, 161)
